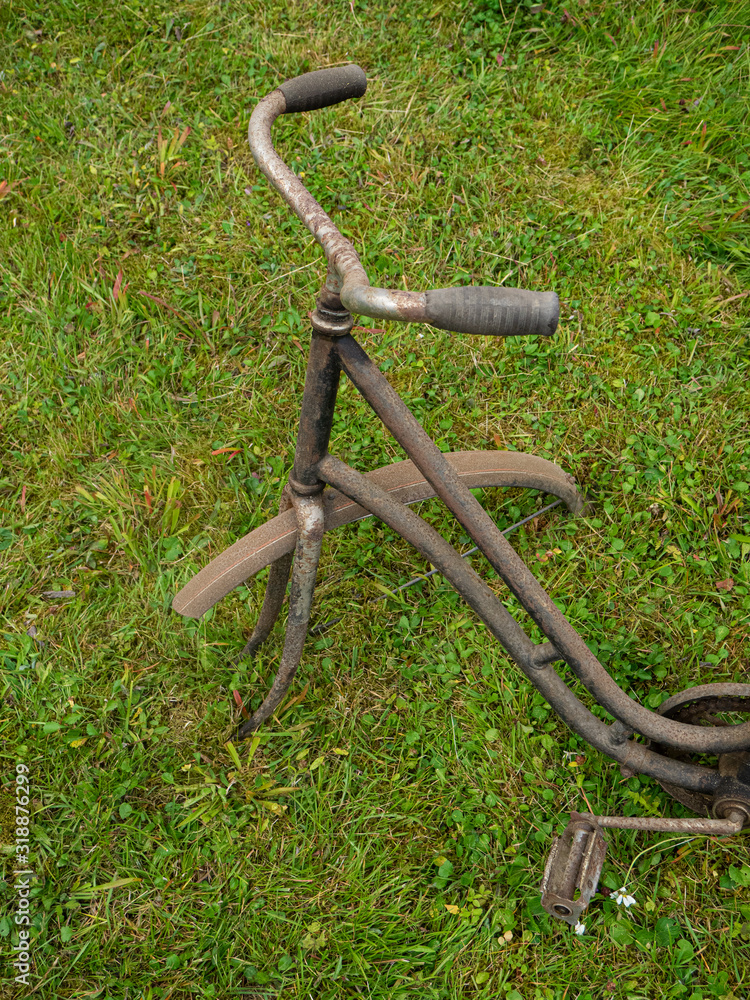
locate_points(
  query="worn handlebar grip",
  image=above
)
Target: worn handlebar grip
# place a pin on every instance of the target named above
(495, 312)
(323, 87)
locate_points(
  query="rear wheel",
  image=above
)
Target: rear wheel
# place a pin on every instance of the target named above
(707, 705)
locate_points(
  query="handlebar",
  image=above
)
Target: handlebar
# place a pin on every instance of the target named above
(323, 87)
(499, 312)
(483, 310)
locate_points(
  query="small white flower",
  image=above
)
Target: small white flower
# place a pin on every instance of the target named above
(420, 336)
(580, 928)
(622, 898)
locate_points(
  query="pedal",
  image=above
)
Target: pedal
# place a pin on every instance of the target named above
(573, 869)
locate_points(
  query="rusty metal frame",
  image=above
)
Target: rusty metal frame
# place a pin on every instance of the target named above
(676, 737)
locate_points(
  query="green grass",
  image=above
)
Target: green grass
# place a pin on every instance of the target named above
(385, 835)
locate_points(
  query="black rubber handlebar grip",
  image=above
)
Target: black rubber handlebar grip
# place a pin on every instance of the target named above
(323, 87)
(495, 312)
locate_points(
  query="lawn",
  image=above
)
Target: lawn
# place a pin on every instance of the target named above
(385, 834)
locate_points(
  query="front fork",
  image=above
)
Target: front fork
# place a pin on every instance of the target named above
(303, 492)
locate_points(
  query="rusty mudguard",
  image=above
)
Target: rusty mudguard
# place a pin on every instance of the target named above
(278, 536)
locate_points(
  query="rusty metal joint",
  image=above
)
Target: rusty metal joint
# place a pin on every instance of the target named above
(733, 811)
(301, 490)
(732, 797)
(330, 323)
(543, 655)
(619, 733)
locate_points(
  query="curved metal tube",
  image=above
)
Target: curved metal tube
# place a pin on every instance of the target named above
(340, 253)
(310, 521)
(504, 627)
(345, 269)
(382, 303)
